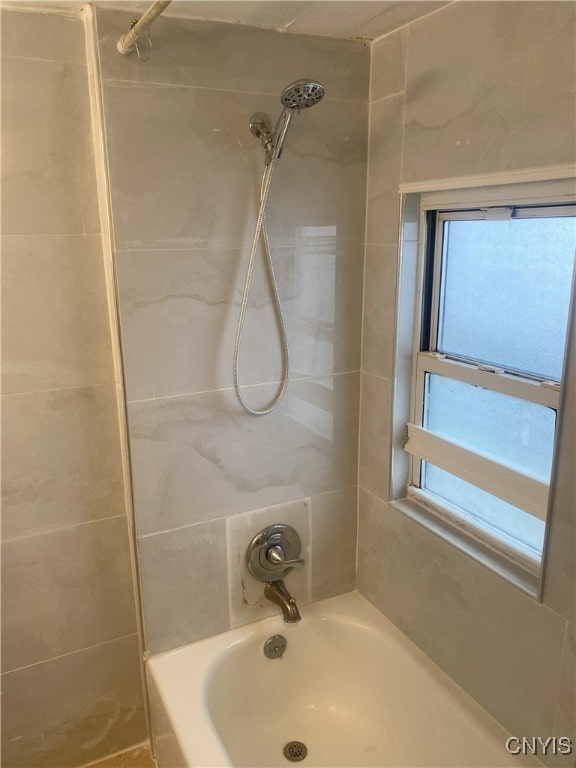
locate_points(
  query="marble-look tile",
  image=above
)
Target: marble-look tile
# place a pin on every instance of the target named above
(374, 471)
(319, 188)
(388, 65)
(179, 314)
(357, 19)
(139, 757)
(380, 279)
(334, 524)
(495, 641)
(48, 166)
(198, 188)
(75, 709)
(200, 457)
(236, 57)
(384, 170)
(59, 336)
(565, 719)
(56, 36)
(65, 590)
(490, 87)
(184, 585)
(246, 594)
(61, 461)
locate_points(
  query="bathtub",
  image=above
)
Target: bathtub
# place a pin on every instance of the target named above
(350, 687)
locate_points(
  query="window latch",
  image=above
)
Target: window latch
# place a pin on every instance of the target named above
(489, 368)
(499, 214)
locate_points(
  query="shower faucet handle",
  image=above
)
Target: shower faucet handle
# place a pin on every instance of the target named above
(274, 552)
(276, 556)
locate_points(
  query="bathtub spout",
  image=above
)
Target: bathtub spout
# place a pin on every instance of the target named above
(276, 592)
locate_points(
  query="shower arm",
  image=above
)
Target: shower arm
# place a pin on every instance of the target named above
(127, 43)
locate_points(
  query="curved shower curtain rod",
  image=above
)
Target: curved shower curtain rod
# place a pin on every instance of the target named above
(127, 43)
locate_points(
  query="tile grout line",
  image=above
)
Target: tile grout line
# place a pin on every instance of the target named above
(388, 96)
(59, 529)
(140, 745)
(108, 383)
(70, 653)
(142, 84)
(243, 386)
(416, 20)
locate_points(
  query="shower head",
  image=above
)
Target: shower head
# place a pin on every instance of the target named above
(302, 94)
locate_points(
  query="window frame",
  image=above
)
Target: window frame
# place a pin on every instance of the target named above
(556, 197)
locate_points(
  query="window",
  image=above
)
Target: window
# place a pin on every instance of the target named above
(488, 368)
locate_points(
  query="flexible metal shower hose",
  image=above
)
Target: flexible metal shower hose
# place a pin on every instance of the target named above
(261, 230)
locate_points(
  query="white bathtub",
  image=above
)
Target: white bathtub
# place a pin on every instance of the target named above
(351, 687)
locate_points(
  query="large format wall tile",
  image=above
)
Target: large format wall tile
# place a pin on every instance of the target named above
(177, 313)
(184, 584)
(379, 327)
(246, 593)
(199, 186)
(565, 720)
(65, 590)
(180, 310)
(320, 181)
(334, 524)
(384, 170)
(236, 57)
(478, 627)
(483, 81)
(200, 457)
(74, 709)
(56, 36)
(61, 461)
(60, 335)
(47, 160)
(388, 65)
(375, 415)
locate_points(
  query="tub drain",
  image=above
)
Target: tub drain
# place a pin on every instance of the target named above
(295, 751)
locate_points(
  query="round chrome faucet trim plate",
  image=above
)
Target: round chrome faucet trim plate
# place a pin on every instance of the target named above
(273, 552)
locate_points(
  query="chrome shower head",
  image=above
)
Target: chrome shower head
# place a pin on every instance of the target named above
(302, 94)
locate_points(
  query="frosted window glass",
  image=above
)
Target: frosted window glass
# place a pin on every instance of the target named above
(505, 292)
(508, 430)
(487, 511)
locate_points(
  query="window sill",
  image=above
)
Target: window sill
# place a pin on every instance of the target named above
(525, 576)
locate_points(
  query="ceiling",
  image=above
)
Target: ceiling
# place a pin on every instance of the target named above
(366, 19)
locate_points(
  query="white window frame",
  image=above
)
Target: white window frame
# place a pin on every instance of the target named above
(521, 490)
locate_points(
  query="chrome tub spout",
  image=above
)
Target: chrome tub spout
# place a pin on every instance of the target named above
(276, 592)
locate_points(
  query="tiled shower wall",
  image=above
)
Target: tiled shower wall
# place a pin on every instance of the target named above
(184, 174)
(71, 682)
(474, 88)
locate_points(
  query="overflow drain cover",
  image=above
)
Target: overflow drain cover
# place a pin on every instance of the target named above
(295, 751)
